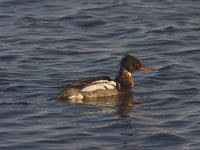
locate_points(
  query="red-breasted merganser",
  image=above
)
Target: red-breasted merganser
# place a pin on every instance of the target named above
(103, 86)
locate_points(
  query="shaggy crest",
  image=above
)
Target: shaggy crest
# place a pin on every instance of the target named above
(130, 63)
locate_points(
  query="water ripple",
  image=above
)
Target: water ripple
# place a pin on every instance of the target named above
(46, 45)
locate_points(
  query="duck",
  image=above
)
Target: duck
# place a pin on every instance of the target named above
(104, 86)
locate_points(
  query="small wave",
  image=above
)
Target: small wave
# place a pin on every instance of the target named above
(6, 16)
(11, 2)
(184, 52)
(165, 139)
(15, 88)
(8, 58)
(90, 23)
(168, 29)
(14, 103)
(168, 67)
(75, 16)
(15, 2)
(192, 102)
(83, 20)
(108, 6)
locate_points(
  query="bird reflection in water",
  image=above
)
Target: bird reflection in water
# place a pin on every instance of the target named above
(125, 105)
(121, 104)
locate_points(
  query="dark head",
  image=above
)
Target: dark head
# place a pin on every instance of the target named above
(131, 63)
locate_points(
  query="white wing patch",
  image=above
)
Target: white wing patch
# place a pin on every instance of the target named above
(100, 85)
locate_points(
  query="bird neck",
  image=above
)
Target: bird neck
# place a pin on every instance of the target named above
(125, 79)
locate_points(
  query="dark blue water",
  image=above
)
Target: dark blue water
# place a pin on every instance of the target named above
(45, 45)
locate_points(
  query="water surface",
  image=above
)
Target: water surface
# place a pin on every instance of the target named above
(47, 44)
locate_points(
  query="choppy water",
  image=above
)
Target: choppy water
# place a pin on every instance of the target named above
(45, 45)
